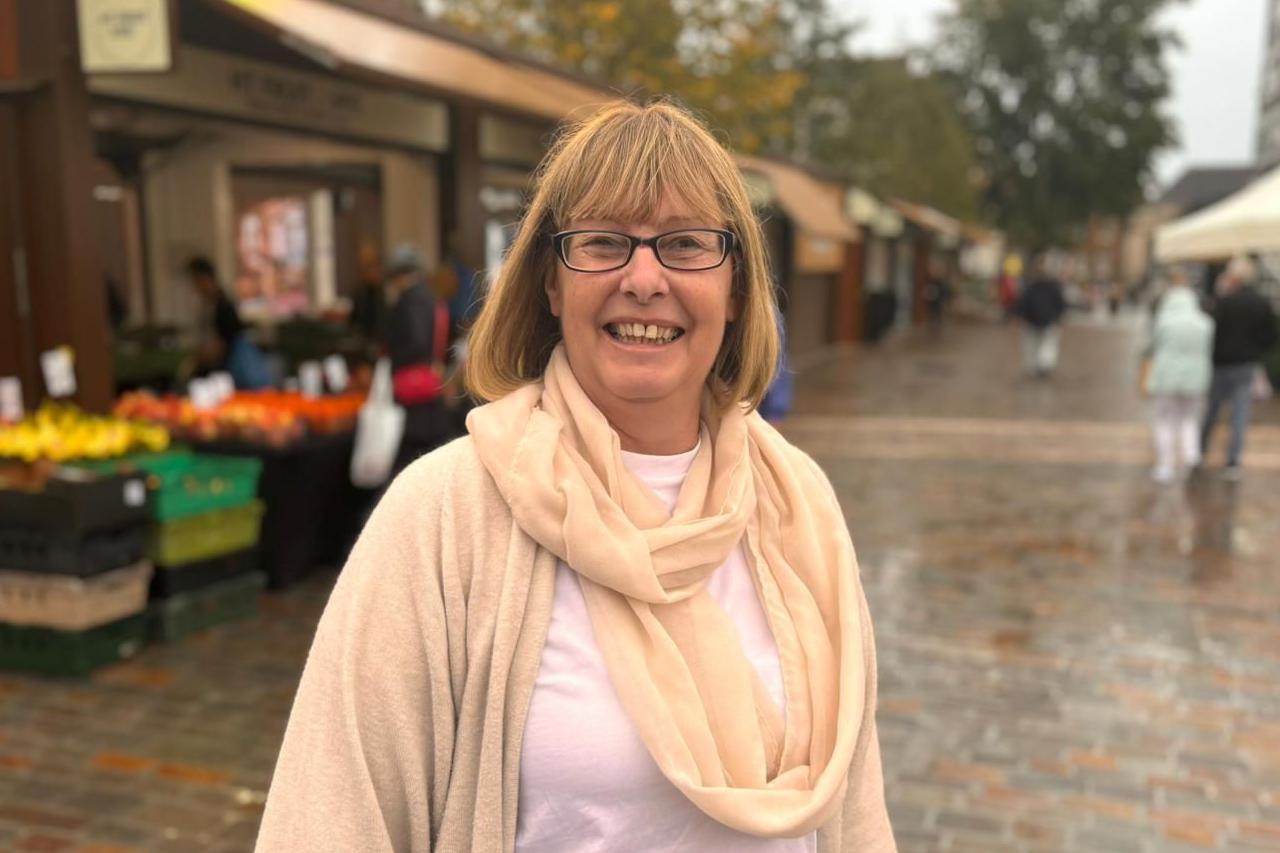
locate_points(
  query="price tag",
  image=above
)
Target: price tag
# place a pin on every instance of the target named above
(10, 398)
(203, 393)
(311, 378)
(335, 373)
(223, 385)
(135, 493)
(59, 371)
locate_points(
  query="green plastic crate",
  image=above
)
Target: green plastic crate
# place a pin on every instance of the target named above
(188, 613)
(53, 652)
(185, 483)
(204, 536)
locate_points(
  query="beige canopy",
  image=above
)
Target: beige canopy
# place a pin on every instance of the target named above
(1246, 222)
(814, 205)
(346, 36)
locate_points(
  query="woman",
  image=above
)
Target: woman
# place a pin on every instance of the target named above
(416, 334)
(624, 613)
(1181, 352)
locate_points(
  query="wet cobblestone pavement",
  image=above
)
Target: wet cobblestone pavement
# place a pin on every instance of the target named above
(1071, 658)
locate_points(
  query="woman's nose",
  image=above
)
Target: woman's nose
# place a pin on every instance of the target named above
(644, 278)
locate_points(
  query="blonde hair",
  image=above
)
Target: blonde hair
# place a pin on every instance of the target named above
(619, 164)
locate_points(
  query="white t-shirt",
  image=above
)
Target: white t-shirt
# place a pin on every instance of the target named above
(587, 783)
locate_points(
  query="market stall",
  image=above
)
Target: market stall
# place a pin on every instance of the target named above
(110, 537)
(303, 444)
(1244, 223)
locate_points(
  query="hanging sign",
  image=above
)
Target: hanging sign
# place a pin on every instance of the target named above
(223, 385)
(58, 366)
(10, 399)
(335, 373)
(124, 35)
(311, 378)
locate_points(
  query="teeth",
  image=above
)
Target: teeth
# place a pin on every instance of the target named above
(639, 332)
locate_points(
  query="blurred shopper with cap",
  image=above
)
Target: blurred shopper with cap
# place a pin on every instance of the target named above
(1180, 353)
(1245, 332)
(416, 338)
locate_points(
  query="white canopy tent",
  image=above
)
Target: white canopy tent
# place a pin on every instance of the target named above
(1246, 222)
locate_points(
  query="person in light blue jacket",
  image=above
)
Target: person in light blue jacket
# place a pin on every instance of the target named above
(1181, 352)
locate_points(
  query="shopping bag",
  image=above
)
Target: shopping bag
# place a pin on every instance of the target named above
(1261, 389)
(379, 428)
(416, 384)
(1144, 377)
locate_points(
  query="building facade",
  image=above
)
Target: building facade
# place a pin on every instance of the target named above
(1269, 115)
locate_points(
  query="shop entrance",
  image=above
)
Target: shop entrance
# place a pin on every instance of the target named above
(300, 234)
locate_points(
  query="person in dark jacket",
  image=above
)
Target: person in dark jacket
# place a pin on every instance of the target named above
(369, 302)
(1041, 307)
(226, 344)
(411, 343)
(1245, 330)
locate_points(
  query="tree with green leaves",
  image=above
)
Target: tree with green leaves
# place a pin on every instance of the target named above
(726, 58)
(892, 131)
(776, 75)
(1066, 101)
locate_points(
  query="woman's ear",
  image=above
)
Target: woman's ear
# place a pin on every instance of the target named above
(555, 294)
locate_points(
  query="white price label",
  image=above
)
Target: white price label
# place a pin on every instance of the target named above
(10, 398)
(135, 493)
(223, 385)
(335, 373)
(59, 371)
(203, 393)
(311, 378)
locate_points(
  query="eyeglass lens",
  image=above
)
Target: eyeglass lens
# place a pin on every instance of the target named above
(596, 251)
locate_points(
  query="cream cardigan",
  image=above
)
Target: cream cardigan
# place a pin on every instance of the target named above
(406, 730)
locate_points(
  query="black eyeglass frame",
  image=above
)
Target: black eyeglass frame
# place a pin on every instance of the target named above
(730, 245)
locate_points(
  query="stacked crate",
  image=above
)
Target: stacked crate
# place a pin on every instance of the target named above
(73, 573)
(203, 542)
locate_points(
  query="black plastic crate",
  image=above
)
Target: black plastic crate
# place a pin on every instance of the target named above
(187, 613)
(53, 652)
(74, 502)
(28, 549)
(175, 580)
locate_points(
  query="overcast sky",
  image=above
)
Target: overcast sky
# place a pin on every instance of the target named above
(1216, 75)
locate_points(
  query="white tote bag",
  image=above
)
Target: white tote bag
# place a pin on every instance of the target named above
(379, 429)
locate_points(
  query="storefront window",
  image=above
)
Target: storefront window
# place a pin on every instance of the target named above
(272, 247)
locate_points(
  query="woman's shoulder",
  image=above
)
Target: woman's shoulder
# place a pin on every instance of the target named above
(448, 474)
(799, 460)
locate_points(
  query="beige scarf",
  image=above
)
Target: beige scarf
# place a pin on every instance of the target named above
(672, 653)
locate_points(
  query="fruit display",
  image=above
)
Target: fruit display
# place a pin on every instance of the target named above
(233, 420)
(60, 432)
(336, 413)
(274, 418)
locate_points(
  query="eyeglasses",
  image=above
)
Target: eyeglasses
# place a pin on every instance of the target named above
(688, 250)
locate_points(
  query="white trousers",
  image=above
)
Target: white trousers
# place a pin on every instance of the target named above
(1175, 426)
(1040, 349)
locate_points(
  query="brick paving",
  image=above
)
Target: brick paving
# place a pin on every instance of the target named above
(1072, 659)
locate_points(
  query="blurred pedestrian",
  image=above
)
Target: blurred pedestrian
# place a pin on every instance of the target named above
(1181, 366)
(1244, 333)
(454, 282)
(369, 309)
(1041, 307)
(224, 339)
(1008, 286)
(937, 293)
(776, 404)
(417, 332)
